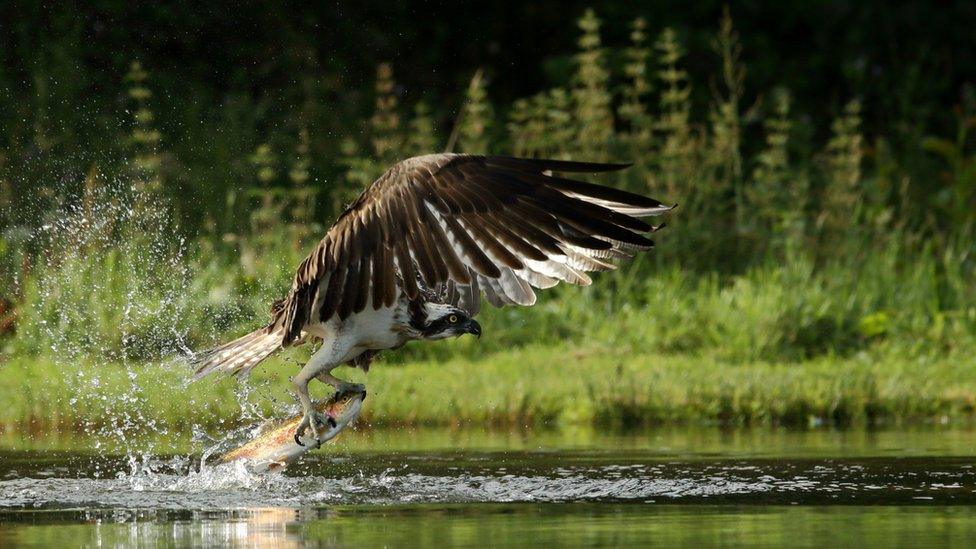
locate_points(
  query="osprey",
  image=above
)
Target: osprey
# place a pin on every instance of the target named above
(410, 258)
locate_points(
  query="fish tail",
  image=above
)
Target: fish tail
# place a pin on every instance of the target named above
(238, 357)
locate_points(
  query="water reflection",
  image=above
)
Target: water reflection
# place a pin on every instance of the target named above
(410, 488)
(254, 528)
(921, 440)
(499, 525)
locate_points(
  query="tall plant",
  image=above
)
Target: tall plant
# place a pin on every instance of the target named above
(842, 198)
(633, 109)
(475, 118)
(144, 137)
(594, 118)
(675, 157)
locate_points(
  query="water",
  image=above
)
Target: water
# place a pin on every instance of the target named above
(429, 487)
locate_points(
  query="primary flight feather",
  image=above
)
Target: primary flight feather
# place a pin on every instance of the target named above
(411, 257)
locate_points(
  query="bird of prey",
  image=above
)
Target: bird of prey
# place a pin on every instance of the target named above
(410, 258)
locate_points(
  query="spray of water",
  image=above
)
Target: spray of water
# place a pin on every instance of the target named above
(115, 282)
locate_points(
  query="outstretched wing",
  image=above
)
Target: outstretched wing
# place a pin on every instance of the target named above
(467, 224)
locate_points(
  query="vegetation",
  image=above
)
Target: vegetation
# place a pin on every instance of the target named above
(511, 389)
(803, 275)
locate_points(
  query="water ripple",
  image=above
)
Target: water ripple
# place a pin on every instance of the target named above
(455, 479)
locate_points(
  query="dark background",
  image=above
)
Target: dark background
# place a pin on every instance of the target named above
(227, 74)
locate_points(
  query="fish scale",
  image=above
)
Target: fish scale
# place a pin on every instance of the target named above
(274, 448)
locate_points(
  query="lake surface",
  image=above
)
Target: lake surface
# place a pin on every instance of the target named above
(435, 488)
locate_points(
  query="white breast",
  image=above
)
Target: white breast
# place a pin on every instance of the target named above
(369, 329)
(373, 329)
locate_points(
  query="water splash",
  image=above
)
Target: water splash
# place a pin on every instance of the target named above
(116, 282)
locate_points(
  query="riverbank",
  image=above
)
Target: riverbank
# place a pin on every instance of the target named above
(532, 386)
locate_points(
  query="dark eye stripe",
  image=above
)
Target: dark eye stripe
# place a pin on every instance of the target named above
(442, 324)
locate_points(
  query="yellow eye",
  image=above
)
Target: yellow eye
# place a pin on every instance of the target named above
(452, 319)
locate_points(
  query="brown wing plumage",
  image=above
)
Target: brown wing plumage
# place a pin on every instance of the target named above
(466, 223)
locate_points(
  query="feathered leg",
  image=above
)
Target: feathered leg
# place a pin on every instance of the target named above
(322, 360)
(310, 418)
(320, 367)
(341, 387)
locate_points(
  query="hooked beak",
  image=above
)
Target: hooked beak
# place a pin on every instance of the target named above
(472, 327)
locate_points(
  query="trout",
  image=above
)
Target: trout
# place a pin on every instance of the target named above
(274, 446)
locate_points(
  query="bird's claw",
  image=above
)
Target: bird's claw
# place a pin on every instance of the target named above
(309, 421)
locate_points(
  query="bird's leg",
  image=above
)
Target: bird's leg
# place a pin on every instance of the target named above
(319, 366)
(310, 418)
(342, 387)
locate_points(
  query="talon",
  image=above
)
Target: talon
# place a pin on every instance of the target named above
(332, 422)
(299, 431)
(308, 422)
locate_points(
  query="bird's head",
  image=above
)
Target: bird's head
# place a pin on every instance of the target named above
(441, 321)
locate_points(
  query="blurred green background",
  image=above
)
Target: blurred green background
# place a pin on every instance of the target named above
(163, 169)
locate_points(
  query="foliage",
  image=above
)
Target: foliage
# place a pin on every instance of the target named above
(777, 193)
(536, 386)
(789, 247)
(592, 117)
(421, 138)
(145, 138)
(633, 107)
(473, 122)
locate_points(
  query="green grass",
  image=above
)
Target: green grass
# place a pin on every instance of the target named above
(801, 279)
(534, 386)
(792, 343)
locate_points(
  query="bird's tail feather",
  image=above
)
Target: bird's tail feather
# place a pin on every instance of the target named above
(238, 357)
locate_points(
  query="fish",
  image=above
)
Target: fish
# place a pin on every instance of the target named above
(274, 446)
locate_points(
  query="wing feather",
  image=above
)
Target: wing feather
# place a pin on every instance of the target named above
(467, 225)
(408, 276)
(457, 270)
(502, 254)
(474, 255)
